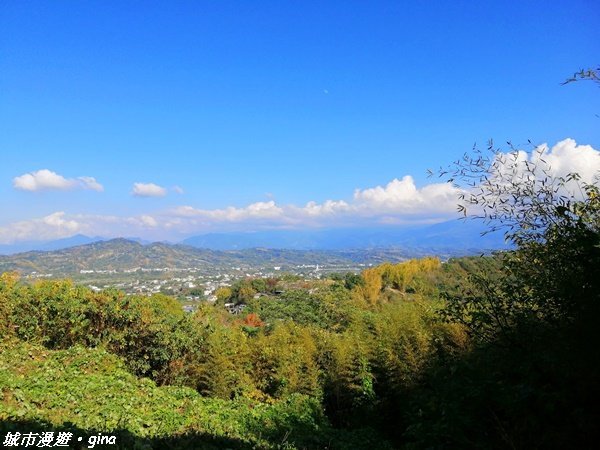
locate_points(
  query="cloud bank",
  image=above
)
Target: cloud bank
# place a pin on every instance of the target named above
(565, 158)
(45, 180)
(400, 201)
(53, 226)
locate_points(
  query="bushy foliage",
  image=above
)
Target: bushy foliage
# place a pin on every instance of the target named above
(401, 277)
(284, 361)
(529, 376)
(326, 308)
(90, 390)
(315, 349)
(554, 223)
(150, 332)
(319, 354)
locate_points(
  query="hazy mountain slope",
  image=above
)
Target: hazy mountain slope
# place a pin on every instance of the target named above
(454, 235)
(262, 249)
(119, 254)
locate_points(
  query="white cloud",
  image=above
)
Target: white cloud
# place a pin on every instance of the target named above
(258, 210)
(149, 221)
(90, 183)
(398, 198)
(563, 158)
(43, 180)
(400, 201)
(53, 226)
(403, 197)
(327, 208)
(148, 190)
(566, 157)
(177, 190)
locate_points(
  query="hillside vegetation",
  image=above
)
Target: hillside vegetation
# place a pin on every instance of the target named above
(119, 254)
(482, 352)
(309, 368)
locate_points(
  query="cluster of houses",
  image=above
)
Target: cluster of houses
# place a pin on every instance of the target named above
(235, 309)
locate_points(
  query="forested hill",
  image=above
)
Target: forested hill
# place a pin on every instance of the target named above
(123, 254)
(120, 254)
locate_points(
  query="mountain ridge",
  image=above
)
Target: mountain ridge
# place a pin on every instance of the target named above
(275, 248)
(453, 235)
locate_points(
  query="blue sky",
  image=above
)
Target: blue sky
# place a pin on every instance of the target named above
(273, 104)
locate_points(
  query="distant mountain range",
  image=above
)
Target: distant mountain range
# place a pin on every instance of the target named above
(78, 239)
(58, 244)
(260, 249)
(122, 254)
(454, 236)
